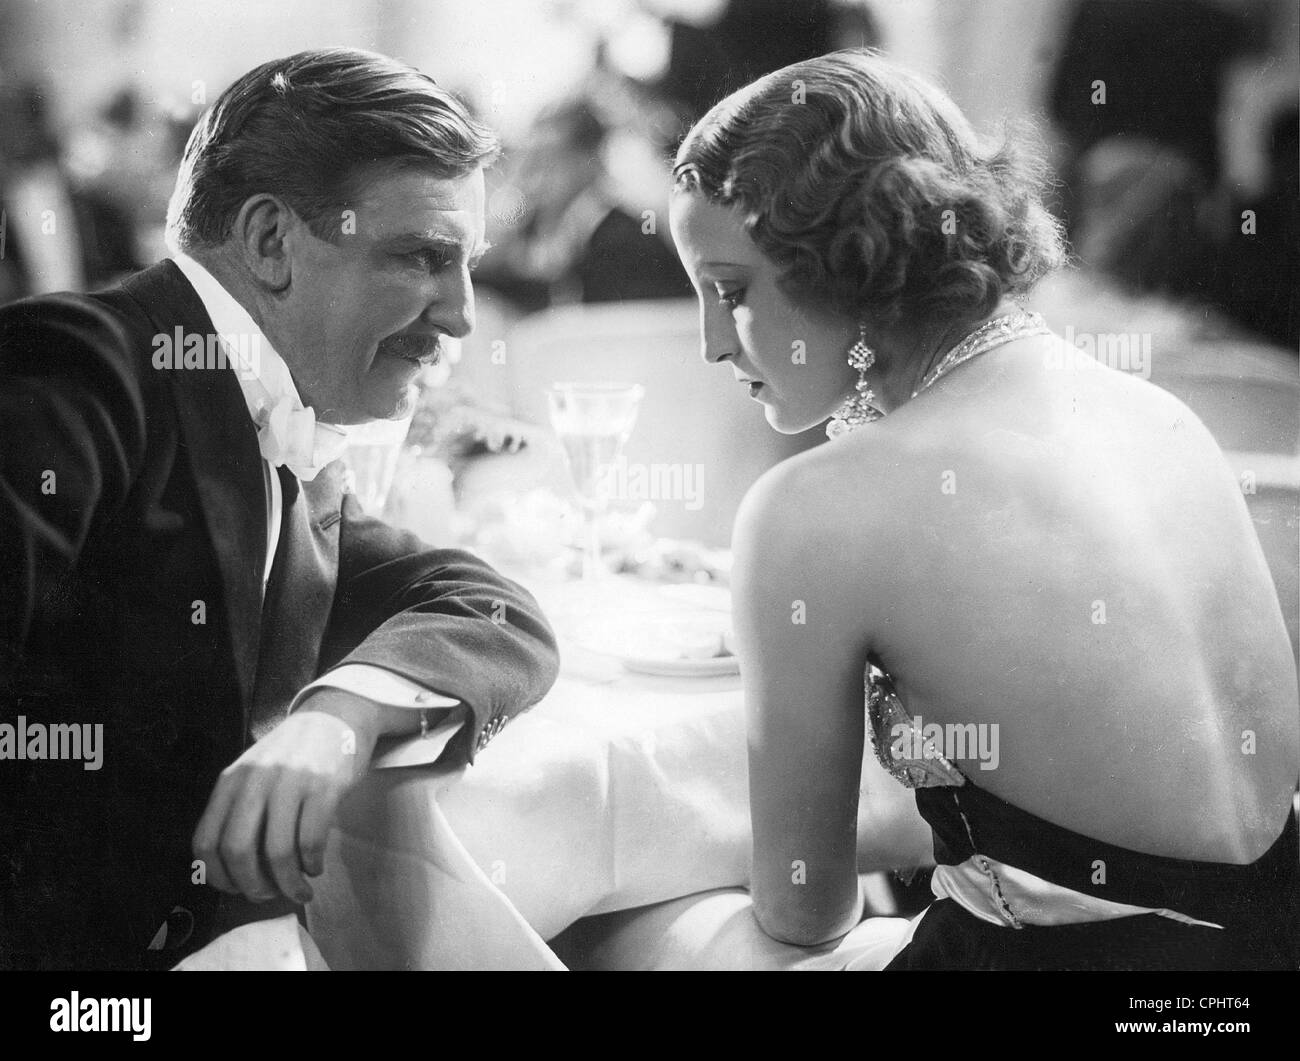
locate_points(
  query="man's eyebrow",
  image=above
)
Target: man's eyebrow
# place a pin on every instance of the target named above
(435, 239)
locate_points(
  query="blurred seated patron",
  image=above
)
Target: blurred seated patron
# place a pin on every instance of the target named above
(569, 235)
(55, 235)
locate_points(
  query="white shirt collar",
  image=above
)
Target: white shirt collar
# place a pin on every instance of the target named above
(287, 432)
(263, 376)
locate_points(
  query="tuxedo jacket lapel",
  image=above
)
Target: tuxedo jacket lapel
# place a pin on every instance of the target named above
(276, 642)
(224, 459)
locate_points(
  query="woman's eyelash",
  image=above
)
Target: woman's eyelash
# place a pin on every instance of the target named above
(732, 299)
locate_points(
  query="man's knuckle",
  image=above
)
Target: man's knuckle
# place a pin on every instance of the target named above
(232, 851)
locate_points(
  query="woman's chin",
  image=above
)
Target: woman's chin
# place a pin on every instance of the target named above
(779, 419)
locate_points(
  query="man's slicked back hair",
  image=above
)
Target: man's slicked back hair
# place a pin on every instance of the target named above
(303, 127)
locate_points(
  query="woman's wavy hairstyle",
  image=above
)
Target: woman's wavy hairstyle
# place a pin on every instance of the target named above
(302, 127)
(870, 191)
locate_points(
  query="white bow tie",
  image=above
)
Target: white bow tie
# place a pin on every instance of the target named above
(288, 434)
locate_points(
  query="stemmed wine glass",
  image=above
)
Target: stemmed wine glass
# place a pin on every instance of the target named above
(374, 450)
(593, 422)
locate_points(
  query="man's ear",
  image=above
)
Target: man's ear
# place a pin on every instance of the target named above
(262, 235)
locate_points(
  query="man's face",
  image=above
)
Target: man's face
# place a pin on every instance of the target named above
(363, 314)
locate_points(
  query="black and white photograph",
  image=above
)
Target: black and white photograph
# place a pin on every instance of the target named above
(650, 485)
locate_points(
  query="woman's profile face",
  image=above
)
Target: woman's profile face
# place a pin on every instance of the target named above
(790, 357)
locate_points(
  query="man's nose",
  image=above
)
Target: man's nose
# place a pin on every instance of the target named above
(452, 310)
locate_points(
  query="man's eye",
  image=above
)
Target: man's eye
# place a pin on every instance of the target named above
(431, 260)
(732, 299)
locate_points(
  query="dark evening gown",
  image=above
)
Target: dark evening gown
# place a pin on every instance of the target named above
(1017, 892)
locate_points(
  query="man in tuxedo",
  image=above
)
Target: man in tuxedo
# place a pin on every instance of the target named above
(183, 577)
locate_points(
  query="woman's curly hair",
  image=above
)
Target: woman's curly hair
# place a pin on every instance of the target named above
(869, 189)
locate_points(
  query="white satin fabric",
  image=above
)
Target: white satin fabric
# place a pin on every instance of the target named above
(1034, 901)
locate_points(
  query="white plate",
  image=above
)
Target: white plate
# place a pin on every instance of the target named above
(659, 643)
(682, 668)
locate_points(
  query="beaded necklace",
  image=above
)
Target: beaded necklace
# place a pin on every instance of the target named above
(1018, 324)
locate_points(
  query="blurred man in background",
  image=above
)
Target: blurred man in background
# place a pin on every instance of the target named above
(55, 235)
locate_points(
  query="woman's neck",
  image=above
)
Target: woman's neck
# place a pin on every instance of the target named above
(911, 354)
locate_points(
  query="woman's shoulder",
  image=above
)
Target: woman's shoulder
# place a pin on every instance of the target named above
(818, 505)
(806, 485)
(813, 533)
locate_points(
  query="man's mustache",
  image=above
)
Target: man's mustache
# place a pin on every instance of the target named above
(427, 348)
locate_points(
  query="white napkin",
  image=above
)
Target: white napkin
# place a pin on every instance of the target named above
(400, 891)
(277, 945)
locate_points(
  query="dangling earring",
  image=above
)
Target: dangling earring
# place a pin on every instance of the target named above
(858, 409)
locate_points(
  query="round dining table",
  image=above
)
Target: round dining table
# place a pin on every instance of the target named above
(606, 827)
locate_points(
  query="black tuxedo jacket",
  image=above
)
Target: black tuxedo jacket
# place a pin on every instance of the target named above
(132, 548)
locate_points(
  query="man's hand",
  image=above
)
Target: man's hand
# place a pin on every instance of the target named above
(264, 830)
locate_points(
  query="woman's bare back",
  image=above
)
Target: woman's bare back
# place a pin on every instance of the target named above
(1066, 556)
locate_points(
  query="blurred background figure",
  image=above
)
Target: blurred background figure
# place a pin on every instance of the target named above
(57, 233)
(579, 220)
(1135, 199)
(1161, 69)
(1258, 277)
(1175, 119)
(718, 46)
(564, 230)
(128, 152)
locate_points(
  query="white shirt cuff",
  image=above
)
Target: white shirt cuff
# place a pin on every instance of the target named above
(393, 690)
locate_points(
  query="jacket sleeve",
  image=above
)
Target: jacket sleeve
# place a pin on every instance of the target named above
(72, 439)
(441, 618)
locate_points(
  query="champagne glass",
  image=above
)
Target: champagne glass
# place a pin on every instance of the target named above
(593, 422)
(372, 456)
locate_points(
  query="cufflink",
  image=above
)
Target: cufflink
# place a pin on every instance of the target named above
(175, 931)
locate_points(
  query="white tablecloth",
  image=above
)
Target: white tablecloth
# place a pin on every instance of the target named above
(616, 792)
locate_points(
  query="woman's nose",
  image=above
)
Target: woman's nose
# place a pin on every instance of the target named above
(718, 339)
